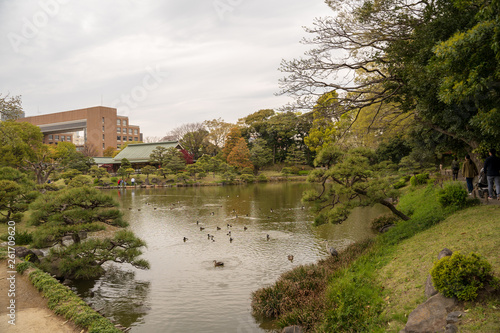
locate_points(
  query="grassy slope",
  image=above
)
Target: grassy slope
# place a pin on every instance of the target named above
(475, 229)
(378, 290)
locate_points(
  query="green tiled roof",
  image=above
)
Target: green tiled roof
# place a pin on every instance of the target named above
(140, 152)
(104, 160)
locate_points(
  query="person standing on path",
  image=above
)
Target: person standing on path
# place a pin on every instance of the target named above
(455, 167)
(469, 171)
(492, 171)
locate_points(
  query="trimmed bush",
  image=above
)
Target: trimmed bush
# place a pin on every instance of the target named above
(262, 178)
(66, 303)
(461, 276)
(453, 194)
(419, 179)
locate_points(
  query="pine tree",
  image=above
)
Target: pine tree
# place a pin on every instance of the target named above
(68, 213)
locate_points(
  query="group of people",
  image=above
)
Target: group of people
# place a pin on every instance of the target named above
(124, 182)
(491, 169)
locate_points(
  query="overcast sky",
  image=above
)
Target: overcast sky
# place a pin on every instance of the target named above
(162, 63)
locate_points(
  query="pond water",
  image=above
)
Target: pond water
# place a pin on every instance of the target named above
(183, 291)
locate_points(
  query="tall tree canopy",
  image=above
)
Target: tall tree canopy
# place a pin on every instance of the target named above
(437, 62)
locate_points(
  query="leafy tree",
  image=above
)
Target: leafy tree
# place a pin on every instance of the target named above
(295, 156)
(69, 174)
(217, 133)
(256, 124)
(147, 170)
(187, 156)
(69, 211)
(125, 163)
(67, 156)
(182, 177)
(80, 180)
(351, 179)
(209, 164)
(433, 62)
(97, 172)
(122, 172)
(393, 149)
(239, 156)
(109, 151)
(42, 162)
(129, 171)
(16, 193)
(18, 142)
(195, 142)
(159, 156)
(175, 161)
(10, 107)
(193, 169)
(323, 132)
(260, 154)
(163, 172)
(89, 150)
(231, 141)
(84, 260)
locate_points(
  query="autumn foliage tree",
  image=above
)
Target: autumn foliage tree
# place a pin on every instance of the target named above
(239, 156)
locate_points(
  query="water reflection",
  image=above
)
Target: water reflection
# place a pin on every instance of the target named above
(118, 295)
(183, 291)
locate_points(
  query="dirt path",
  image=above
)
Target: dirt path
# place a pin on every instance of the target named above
(31, 313)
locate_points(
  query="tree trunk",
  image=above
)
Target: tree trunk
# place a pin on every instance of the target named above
(394, 210)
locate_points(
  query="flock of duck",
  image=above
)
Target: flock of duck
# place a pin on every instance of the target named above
(332, 251)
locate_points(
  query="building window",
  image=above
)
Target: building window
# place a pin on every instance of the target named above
(118, 130)
(103, 128)
(57, 137)
(62, 137)
(124, 131)
(103, 146)
(124, 138)
(103, 120)
(130, 131)
(135, 132)
(68, 138)
(118, 138)
(135, 139)
(118, 122)
(50, 136)
(129, 138)
(118, 145)
(124, 122)
(103, 136)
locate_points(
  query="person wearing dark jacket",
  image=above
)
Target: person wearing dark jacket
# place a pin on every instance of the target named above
(469, 171)
(492, 171)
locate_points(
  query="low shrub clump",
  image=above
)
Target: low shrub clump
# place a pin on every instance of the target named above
(66, 303)
(293, 299)
(419, 179)
(453, 195)
(384, 220)
(461, 276)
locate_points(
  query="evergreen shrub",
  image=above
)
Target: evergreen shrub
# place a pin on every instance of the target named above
(419, 179)
(461, 276)
(453, 194)
(262, 178)
(247, 171)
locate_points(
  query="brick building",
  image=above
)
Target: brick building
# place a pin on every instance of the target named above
(102, 127)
